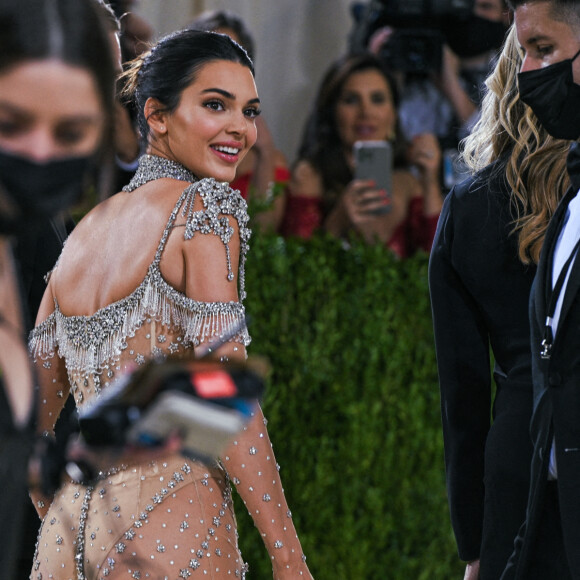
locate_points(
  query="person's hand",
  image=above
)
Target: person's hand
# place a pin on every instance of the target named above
(472, 571)
(424, 152)
(361, 198)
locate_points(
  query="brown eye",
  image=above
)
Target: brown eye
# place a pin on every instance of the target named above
(214, 105)
(69, 136)
(349, 99)
(252, 112)
(380, 98)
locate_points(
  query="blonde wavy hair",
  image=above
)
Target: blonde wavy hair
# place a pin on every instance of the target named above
(536, 167)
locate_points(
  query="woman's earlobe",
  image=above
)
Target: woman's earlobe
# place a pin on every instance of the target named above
(155, 115)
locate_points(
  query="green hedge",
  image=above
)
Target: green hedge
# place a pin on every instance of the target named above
(353, 409)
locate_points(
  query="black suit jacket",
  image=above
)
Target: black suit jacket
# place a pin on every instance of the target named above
(556, 399)
(479, 294)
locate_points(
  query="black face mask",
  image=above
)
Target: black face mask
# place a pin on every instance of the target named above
(36, 192)
(554, 97)
(473, 36)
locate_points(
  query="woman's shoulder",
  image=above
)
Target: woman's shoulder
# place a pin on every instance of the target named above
(486, 191)
(124, 217)
(478, 211)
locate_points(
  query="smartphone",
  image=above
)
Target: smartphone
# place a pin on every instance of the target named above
(374, 160)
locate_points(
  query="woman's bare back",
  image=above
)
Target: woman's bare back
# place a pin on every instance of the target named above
(109, 252)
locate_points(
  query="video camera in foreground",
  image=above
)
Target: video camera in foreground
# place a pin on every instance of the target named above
(206, 400)
(421, 27)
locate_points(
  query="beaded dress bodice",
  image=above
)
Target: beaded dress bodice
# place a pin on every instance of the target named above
(171, 517)
(155, 319)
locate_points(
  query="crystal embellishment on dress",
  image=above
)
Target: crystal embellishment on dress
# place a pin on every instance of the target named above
(219, 201)
(153, 167)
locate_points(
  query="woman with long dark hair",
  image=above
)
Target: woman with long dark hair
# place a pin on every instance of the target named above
(357, 101)
(156, 270)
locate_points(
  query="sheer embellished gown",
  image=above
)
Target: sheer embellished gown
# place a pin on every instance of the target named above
(171, 518)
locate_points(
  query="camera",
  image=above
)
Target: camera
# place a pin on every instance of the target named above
(207, 401)
(416, 44)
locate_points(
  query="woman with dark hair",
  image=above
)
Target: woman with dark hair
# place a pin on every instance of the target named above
(56, 108)
(158, 269)
(357, 101)
(263, 175)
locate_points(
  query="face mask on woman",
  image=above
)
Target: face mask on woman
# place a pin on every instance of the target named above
(31, 193)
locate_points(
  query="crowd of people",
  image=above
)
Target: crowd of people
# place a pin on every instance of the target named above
(162, 145)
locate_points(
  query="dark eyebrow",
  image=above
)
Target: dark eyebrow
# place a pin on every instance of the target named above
(70, 119)
(228, 95)
(538, 38)
(12, 108)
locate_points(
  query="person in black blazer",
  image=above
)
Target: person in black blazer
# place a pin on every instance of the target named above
(481, 270)
(548, 545)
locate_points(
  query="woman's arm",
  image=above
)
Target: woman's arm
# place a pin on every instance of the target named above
(425, 154)
(52, 379)
(268, 165)
(250, 459)
(252, 466)
(303, 211)
(463, 361)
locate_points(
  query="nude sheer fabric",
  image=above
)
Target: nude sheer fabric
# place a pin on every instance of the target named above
(171, 518)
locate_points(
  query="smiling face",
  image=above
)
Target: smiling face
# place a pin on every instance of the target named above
(544, 40)
(49, 110)
(213, 127)
(365, 110)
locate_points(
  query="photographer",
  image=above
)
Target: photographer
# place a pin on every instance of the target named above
(440, 62)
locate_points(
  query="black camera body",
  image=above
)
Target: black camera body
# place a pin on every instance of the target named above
(423, 13)
(414, 50)
(416, 45)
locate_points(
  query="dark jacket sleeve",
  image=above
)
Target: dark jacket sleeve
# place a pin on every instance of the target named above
(463, 358)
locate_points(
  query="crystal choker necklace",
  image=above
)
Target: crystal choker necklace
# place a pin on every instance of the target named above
(153, 167)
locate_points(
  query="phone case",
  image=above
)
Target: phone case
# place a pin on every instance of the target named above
(374, 160)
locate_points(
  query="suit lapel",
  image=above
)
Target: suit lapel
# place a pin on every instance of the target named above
(571, 288)
(544, 273)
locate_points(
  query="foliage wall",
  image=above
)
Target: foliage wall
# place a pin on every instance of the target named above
(353, 409)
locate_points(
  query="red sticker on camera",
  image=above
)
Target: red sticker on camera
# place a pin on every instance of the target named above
(213, 384)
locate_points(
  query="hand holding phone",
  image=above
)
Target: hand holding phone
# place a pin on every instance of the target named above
(373, 160)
